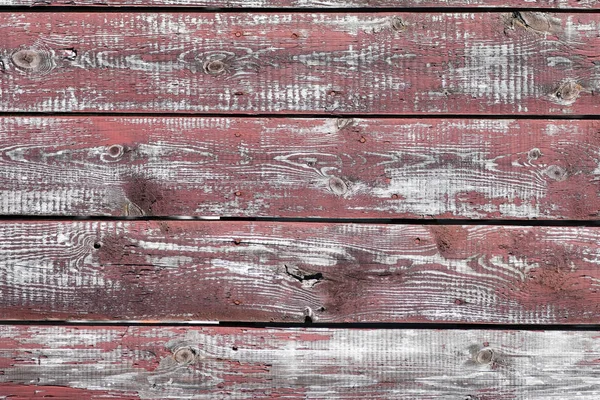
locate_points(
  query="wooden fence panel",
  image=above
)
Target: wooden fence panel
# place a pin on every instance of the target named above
(293, 272)
(308, 63)
(243, 363)
(271, 167)
(322, 4)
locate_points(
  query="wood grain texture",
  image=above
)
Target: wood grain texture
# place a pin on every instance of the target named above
(277, 4)
(345, 168)
(286, 272)
(215, 363)
(369, 63)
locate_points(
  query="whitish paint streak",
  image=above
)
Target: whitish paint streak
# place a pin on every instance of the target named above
(324, 363)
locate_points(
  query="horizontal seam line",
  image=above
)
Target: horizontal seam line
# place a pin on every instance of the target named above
(346, 325)
(42, 7)
(298, 115)
(378, 221)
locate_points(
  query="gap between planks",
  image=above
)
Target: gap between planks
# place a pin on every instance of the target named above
(41, 7)
(315, 325)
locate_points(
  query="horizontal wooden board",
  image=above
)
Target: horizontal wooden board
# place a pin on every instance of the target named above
(302, 4)
(215, 362)
(519, 63)
(292, 272)
(345, 168)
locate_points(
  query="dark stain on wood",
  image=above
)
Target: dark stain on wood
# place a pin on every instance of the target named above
(451, 241)
(145, 195)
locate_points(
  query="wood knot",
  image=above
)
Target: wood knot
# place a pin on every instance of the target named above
(556, 172)
(337, 186)
(536, 21)
(568, 92)
(115, 150)
(341, 123)
(215, 67)
(27, 59)
(484, 356)
(534, 154)
(114, 153)
(185, 355)
(398, 24)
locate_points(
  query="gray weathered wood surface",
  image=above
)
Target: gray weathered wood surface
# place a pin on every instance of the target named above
(278, 167)
(244, 363)
(266, 271)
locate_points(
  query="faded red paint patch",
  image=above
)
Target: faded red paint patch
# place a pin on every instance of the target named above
(562, 280)
(20, 392)
(578, 195)
(552, 284)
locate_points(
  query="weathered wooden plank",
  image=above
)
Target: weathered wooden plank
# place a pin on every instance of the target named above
(161, 363)
(529, 4)
(361, 168)
(368, 63)
(259, 271)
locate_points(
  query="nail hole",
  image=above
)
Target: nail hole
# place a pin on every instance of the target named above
(97, 245)
(234, 348)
